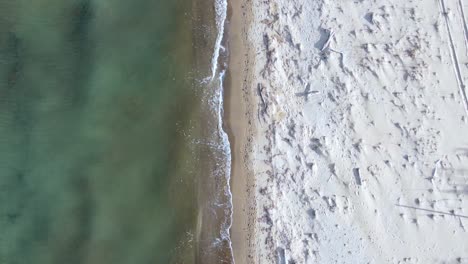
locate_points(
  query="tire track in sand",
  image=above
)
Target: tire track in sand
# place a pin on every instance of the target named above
(465, 27)
(455, 61)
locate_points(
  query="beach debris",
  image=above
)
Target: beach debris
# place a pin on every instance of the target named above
(331, 34)
(369, 17)
(281, 256)
(357, 176)
(312, 214)
(306, 92)
(263, 105)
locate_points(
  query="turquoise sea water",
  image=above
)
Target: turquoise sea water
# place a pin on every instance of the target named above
(104, 133)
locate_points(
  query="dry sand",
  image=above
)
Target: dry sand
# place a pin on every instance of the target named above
(359, 123)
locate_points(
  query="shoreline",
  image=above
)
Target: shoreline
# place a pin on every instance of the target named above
(238, 125)
(213, 220)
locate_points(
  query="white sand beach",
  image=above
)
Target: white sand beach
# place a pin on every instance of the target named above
(354, 131)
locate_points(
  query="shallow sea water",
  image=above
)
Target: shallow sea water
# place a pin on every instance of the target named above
(103, 126)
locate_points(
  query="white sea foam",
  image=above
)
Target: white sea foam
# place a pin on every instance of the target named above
(221, 14)
(225, 230)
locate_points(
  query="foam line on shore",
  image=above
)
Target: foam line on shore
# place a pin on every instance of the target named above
(221, 7)
(225, 231)
(221, 15)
